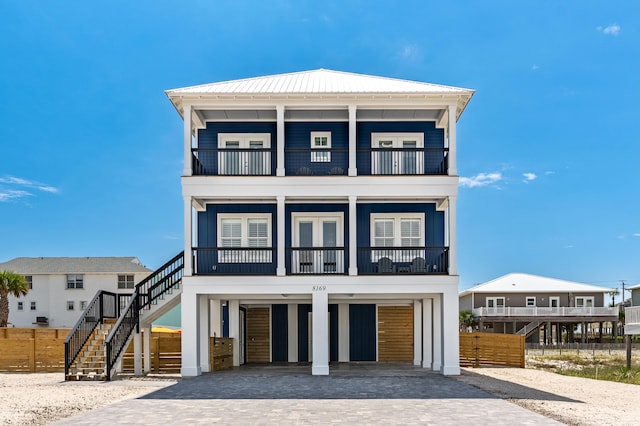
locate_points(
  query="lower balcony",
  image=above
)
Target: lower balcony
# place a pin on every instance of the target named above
(539, 311)
(234, 261)
(403, 260)
(316, 261)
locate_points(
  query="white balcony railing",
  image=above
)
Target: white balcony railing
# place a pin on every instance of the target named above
(632, 315)
(539, 311)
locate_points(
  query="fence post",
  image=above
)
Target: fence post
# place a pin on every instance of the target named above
(32, 355)
(156, 354)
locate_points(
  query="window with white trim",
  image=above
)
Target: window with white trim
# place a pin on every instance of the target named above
(125, 281)
(75, 281)
(70, 305)
(83, 305)
(584, 302)
(399, 230)
(495, 303)
(29, 280)
(321, 142)
(397, 153)
(20, 306)
(244, 154)
(244, 231)
(531, 301)
(33, 306)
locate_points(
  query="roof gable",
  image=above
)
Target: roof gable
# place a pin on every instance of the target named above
(526, 283)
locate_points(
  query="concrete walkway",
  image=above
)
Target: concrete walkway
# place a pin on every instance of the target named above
(351, 394)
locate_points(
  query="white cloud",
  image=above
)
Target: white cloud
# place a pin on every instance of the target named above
(409, 51)
(569, 246)
(10, 194)
(481, 179)
(535, 67)
(528, 177)
(613, 29)
(14, 187)
(636, 234)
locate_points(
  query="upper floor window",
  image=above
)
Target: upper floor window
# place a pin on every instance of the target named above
(399, 232)
(320, 147)
(33, 306)
(75, 281)
(397, 153)
(20, 306)
(244, 231)
(83, 305)
(531, 301)
(554, 302)
(584, 302)
(495, 302)
(70, 305)
(125, 281)
(244, 154)
(29, 280)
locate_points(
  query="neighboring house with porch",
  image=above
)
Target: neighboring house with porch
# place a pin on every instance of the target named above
(632, 313)
(61, 287)
(320, 220)
(537, 307)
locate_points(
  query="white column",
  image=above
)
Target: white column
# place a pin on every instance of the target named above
(146, 349)
(450, 333)
(427, 333)
(353, 171)
(343, 332)
(189, 322)
(320, 328)
(234, 329)
(437, 332)
(280, 140)
(280, 213)
(203, 333)
(187, 141)
(417, 332)
(215, 323)
(453, 171)
(453, 264)
(137, 354)
(292, 332)
(188, 243)
(353, 236)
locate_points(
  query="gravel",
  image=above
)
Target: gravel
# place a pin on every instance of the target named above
(41, 398)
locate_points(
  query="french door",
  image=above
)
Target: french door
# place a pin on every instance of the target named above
(315, 242)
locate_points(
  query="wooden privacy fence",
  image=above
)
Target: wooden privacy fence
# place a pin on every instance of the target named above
(490, 350)
(32, 349)
(166, 353)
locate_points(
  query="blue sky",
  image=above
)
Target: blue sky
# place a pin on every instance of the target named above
(548, 148)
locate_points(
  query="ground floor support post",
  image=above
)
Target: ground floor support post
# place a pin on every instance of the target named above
(146, 349)
(450, 333)
(190, 333)
(343, 332)
(427, 333)
(437, 332)
(137, 354)
(215, 322)
(292, 324)
(417, 332)
(320, 332)
(234, 329)
(203, 333)
(628, 341)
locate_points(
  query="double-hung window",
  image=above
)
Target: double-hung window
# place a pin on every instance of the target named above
(531, 301)
(244, 154)
(397, 153)
(398, 233)
(125, 281)
(244, 238)
(495, 305)
(75, 281)
(29, 280)
(320, 147)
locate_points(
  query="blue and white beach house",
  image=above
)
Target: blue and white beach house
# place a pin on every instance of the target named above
(320, 220)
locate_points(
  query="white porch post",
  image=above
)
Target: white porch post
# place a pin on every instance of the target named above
(417, 332)
(453, 264)
(343, 332)
(189, 322)
(353, 236)
(215, 322)
(187, 141)
(137, 354)
(146, 349)
(280, 140)
(234, 329)
(451, 130)
(427, 333)
(292, 332)
(450, 333)
(320, 364)
(437, 332)
(280, 213)
(188, 243)
(353, 171)
(203, 334)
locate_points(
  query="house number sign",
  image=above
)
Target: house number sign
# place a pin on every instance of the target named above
(319, 288)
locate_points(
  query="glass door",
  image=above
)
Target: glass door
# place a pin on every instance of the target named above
(317, 239)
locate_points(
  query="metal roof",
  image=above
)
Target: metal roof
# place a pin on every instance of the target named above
(319, 81)
(525, 283)
(635, 287)
(73, 265)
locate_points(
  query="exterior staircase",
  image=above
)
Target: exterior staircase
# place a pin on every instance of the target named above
(529, 329)
(101, 335)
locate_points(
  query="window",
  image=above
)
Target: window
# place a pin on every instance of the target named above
(554, 302)
(20, 306)
(75, 281)
(397, 153)
(584, 302)
(397, 230)
(244, 154)
(317, 243)
(495, 304)
(531, 301)
(70, 305)
(29, 280)
(125, 281)
(244, 232)
(33, 306)
(321, 143)
(83, 305)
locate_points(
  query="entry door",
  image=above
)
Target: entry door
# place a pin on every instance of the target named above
(241, 336)
(315, 234)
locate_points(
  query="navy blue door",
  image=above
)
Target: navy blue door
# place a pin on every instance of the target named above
(362, 332)
(303, 332)
(279, 333)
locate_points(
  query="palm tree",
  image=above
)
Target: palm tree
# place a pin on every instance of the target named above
(468, 320)
(14, 284)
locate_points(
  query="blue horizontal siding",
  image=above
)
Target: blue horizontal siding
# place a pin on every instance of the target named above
(298, 138)
(208, 137)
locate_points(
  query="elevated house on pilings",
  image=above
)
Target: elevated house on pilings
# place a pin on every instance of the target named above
(538, 307)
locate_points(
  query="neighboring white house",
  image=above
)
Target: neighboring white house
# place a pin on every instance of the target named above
(60, 287)
(538, 307)
(320, 220)
(632, 314)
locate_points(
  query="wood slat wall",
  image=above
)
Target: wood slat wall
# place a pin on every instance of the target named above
(490, 350)
(221, 353)
(166, 353)
(258, 345)
(32, 349)
(395, 333)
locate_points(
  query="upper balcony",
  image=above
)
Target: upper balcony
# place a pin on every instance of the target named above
(632, 320)
(516, 313)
